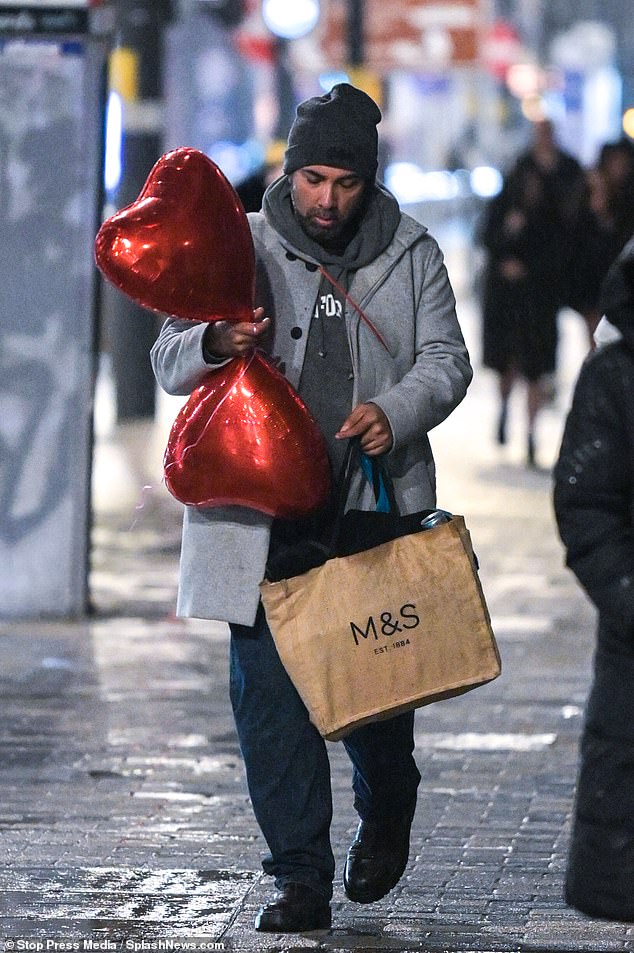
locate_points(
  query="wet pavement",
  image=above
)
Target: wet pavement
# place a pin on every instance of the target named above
(124, 817)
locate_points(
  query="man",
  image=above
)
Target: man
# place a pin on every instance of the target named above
(355, 303)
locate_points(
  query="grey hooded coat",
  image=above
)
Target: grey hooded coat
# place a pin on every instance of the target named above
(417, 381)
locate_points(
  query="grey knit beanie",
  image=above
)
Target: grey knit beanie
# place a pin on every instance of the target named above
(338, 130)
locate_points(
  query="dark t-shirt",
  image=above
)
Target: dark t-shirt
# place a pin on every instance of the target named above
(326, 382)
(325, 387)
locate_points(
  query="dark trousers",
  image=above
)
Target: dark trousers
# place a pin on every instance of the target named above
(287, 765)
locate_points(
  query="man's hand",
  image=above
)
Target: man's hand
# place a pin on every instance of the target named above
(370, 423)
(231, 338)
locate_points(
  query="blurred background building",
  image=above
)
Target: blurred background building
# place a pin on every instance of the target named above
(457, 79)
(459, 82)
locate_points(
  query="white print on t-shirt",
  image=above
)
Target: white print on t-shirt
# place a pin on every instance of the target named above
(329, 306)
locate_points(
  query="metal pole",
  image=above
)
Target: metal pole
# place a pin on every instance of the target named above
(284, 89)
(356, 52)
(132, 330)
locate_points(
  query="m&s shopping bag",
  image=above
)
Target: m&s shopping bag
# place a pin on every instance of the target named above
(395, 627)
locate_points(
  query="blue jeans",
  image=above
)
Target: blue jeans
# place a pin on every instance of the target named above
(287, 765)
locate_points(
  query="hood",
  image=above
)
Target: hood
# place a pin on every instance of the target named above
(379, 221)
(616, 300)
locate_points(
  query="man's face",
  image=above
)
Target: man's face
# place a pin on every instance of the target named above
(326, 200)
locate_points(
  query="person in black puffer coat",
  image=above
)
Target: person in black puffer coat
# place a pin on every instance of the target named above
(594, 507)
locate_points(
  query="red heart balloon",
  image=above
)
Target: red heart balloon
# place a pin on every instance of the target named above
(184, 247)
(245, 437)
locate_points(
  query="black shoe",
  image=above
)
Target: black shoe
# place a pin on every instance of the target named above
(296, 909)
(377, 858)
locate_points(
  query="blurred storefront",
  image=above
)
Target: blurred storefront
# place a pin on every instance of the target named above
(458, 80)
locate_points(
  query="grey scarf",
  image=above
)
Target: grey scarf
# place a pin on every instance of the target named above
(379, 219)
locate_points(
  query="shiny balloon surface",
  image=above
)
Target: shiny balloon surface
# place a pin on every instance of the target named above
(184, 247)
(245, 437)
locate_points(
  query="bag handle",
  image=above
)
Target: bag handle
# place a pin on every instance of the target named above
(381, 482)
(375, 472)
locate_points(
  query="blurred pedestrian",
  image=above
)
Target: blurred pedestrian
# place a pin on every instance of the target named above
(593, 498)
(604, 227)
(251, 190)
(563, 177)
(521, 295)
(361, 314)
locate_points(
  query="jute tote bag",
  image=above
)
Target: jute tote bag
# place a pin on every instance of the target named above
(397, 626)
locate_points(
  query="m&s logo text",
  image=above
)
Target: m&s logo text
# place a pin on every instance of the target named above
(388, 625)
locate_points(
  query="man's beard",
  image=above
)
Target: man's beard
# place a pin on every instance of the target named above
(335, 236)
